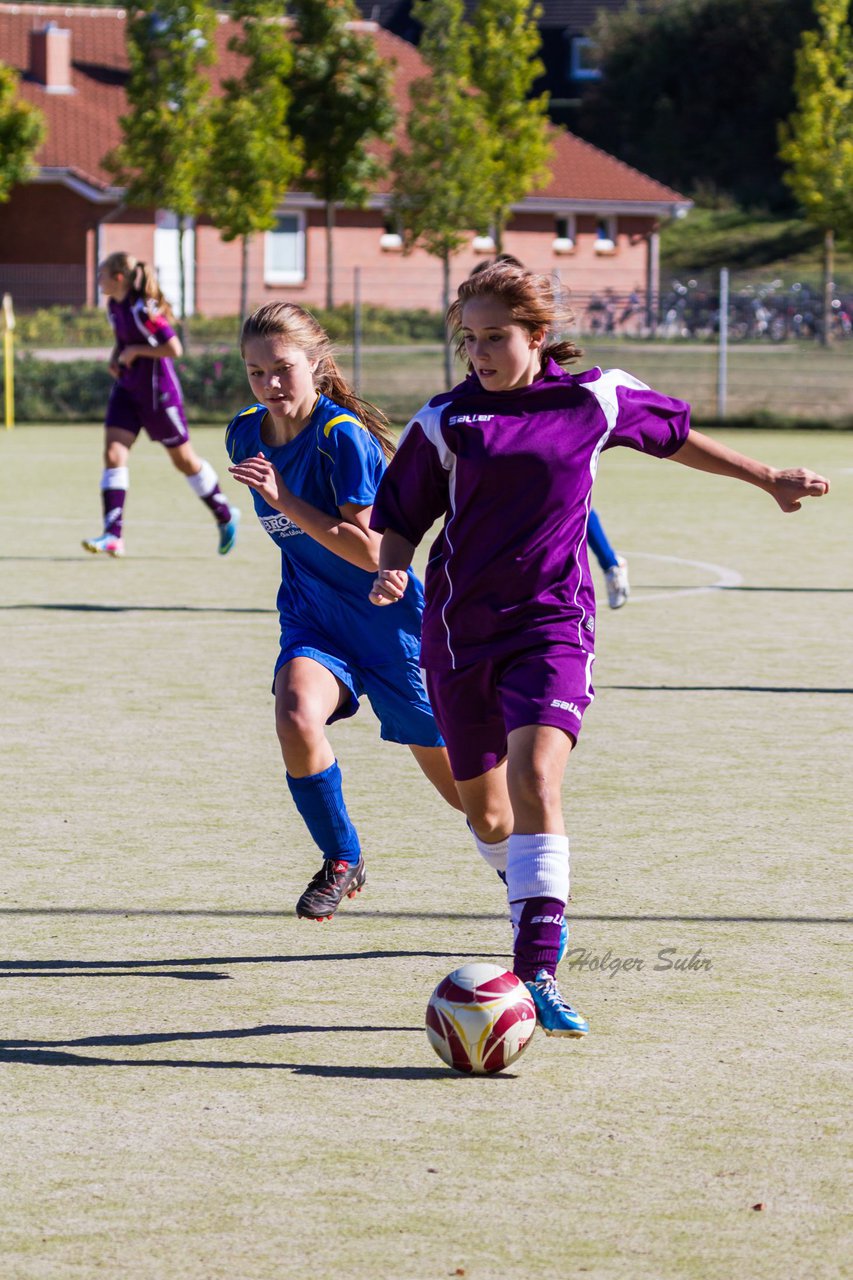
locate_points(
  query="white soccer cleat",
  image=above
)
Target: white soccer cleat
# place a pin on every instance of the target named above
(107, 544)
(617, 584)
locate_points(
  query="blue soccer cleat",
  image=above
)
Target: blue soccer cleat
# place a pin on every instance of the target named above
(228, 532)
(108, 544)
(555, 1015)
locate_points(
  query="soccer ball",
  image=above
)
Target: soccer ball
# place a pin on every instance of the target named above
(480, 1018)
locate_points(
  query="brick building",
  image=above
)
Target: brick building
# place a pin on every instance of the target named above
(595, 222)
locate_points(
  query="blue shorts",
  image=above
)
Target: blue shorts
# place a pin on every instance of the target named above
(395, 691)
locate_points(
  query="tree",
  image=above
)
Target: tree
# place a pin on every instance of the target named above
(504, 65)
(444, 175)
(253, 157)
(22, 131)
(342, 105)
(166, 139)
(692, 92)
(816, 143)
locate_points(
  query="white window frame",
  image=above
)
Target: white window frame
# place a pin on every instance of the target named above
(566, 243)
(577, 71)
(271, 275)
(607, 243)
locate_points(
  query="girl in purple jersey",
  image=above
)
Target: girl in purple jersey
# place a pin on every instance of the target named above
(508, 459)
(147, 394)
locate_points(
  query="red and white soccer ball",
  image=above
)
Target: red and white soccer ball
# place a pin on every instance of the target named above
(480, 1018)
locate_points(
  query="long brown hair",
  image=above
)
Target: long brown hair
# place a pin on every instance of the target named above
(142, 279)
(298, 327)
(534, 301)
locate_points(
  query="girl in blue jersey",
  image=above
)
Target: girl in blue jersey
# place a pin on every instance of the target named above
(312, 454)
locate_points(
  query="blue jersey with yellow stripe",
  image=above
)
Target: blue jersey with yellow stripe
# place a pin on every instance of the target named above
(333, 461)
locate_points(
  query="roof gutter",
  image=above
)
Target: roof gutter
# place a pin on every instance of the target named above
(88, 190)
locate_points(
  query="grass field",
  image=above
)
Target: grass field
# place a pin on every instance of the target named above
(197, 1086)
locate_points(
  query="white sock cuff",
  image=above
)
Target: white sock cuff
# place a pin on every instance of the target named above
(116, 478)
(494, 855)
(204, 481)
(538, 867)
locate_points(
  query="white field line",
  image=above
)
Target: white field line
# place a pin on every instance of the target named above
(724, 577)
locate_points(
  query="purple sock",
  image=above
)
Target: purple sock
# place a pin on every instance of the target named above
(537, 939)
(218, 504)
(113, 503)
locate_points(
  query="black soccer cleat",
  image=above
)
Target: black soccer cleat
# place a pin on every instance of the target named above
(335, 878)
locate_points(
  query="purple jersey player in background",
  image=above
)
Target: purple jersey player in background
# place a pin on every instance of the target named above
(147, 394)
(508, 459)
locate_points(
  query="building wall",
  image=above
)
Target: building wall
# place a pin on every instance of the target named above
(51, 239)
(392, 279)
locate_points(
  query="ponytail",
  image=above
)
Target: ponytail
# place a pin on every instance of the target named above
(142, 280)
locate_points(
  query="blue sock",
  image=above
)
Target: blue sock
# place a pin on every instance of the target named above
(320, 802)
(600, 547)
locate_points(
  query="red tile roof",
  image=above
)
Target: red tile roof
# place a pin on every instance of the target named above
(83, 126)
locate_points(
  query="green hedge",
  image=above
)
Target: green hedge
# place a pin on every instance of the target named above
(77, 390)
(88, 327)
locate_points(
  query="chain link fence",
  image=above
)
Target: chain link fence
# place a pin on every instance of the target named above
(767, 364)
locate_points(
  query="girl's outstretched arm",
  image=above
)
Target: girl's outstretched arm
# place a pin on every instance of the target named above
(395, 556)
(788, 487)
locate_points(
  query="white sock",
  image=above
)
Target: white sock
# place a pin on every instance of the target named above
(537, 867)
(116, 478)
(494, 855)
(204, 481)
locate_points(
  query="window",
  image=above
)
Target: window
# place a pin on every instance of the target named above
(583, 59)
(605, 235)
(564, 235)
(284, 250)
(390, 241)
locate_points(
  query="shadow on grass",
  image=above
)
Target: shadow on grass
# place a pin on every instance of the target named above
(720, 688)
(21, 969)
(131, 608)
(163, 968)
(54, 1053)
(54, 1059)
(725, 586)
(181, 913)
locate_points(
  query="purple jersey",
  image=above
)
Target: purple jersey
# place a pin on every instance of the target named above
(153, 384)
(511, 472)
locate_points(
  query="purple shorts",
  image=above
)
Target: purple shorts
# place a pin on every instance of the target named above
(166, 424)
(476, 707)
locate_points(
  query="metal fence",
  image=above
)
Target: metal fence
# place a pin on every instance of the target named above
(737, 349)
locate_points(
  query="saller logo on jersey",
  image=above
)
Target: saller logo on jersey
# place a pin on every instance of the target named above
(566, 706)
(469, 417)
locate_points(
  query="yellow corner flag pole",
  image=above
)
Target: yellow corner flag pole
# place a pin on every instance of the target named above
(9, 359)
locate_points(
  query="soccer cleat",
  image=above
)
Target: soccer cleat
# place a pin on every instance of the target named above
(555, 1015)
(617, 584)
(107, 544)
(335, 878)
(228, 532)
